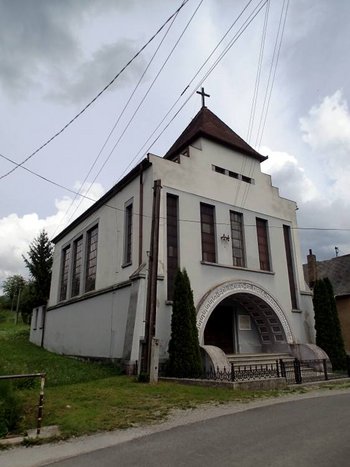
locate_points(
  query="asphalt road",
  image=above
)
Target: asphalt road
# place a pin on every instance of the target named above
(301, 433)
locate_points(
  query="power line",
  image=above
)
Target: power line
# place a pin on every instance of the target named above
(97, 96)
(274, 63)
(268, 93)
(258, 74)
(183, 92)
(144, 97)
(112, 131)
(194, 221)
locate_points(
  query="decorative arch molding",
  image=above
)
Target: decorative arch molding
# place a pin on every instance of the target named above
(216, 295)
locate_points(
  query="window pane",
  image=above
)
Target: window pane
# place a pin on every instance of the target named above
(64, 273)
(91, 259)
(208, 233)
(172, 242)
(237, 238)
(77, 265)
(263, 247)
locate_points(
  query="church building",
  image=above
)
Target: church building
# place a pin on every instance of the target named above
(220, 218)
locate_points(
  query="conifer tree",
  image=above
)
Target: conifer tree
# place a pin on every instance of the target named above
(184, 353)
(328, 333)
(39, 263)
(339, 354)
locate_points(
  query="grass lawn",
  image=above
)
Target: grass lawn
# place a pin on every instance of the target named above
(83, 397)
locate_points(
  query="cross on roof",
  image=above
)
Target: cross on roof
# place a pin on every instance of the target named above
(203, 94)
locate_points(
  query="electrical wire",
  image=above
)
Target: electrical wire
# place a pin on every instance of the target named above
(141, 150)
(256, 91)
(272, 75)
(258, 74)
(143, 99)
(111, 132)
(269, 87)
(194, 221)
(98, 95)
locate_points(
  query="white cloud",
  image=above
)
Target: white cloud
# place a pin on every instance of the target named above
(327, 126)
(289, 176)
(16, 233)
(326, 129)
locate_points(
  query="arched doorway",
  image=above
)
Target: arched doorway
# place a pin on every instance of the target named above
(241, 317)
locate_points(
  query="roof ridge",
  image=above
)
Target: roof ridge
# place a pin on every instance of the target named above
(206, 123)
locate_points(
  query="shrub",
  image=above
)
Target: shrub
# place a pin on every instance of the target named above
(10, 408)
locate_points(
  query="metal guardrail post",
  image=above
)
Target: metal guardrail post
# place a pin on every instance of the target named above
(41, 404)
(297, 371)
(283, 369)
(277, 369)
(348, 364)
(232, 372)
(324, 362)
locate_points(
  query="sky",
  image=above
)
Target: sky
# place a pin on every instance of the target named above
(57, 55)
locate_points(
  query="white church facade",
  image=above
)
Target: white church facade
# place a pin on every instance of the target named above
(220, 218)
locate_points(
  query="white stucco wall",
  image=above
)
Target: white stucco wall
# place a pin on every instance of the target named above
(97, 326)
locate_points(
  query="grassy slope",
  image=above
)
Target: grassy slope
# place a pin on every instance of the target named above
(84, 397)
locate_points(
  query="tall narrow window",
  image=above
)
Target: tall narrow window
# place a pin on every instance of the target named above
(208, 233)
(77, 265)
(65, 273)
(237, 238)
(263, 244)
(128, 235)
(172, 241)
(289, 256)
(91, 259)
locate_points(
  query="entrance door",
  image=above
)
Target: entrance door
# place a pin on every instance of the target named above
(220, 329)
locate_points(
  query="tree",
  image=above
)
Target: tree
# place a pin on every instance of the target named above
(39, 263)
(328, 331)
(12, 287)
(184, 352)
(28, 301)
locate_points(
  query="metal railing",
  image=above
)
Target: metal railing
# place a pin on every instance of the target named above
(295, 371)
(244, 372)
(42, 377)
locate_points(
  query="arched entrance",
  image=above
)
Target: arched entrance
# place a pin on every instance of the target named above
(241, 317)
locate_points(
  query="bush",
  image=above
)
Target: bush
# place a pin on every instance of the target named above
(10, 408)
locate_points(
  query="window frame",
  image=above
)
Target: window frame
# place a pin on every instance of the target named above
(241, 239)
(172, 241)
(128, 233)
(290, 265)
(211, 235)
(88, 266)
(263, 246)
(77, 270)
(63, 291)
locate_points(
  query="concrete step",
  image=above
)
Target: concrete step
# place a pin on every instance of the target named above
(258, 358)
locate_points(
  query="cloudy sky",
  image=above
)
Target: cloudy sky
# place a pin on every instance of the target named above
(57, 55)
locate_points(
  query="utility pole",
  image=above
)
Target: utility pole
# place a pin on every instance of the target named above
(151, 302)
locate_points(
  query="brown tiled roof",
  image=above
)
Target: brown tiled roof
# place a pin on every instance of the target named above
(338, 272)
(207, 124)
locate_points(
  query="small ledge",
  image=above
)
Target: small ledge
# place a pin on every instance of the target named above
(206, 263)
(169, 302)
(305, 292)
(89, 295)
(125, 265)
(295, 310)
